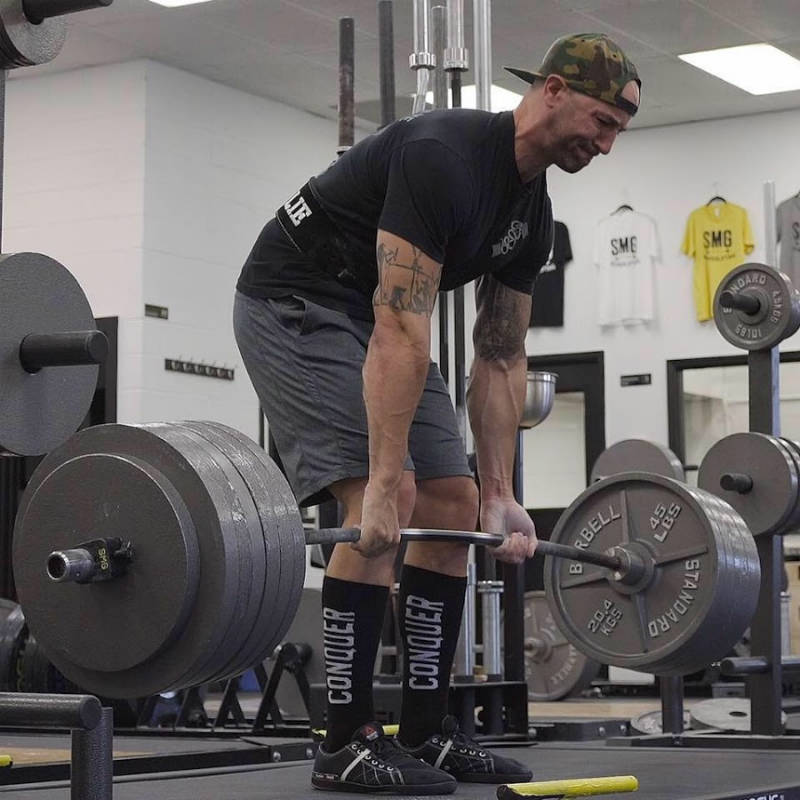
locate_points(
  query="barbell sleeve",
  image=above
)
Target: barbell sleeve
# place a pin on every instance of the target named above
(63, 349)
(741, 302)
(39, 10)
(736, 482)
(543, 547)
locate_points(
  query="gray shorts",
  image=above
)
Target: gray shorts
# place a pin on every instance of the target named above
(305, 363)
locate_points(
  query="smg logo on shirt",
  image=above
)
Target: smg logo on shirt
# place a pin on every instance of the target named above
(715, 239)
(517, 231)
(624, 245)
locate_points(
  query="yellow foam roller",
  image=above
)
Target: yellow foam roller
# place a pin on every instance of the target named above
(575, 787)
(389, 730)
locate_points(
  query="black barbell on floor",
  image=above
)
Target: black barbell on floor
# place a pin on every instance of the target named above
(197, 553)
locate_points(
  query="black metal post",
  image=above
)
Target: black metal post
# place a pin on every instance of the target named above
(671, 703)
(93, 760)
(346, 78)
(514, 594)
(765, 629)
(386, 62)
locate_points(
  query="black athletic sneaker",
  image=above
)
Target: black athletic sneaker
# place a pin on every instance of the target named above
(453, 751)
(374, 763)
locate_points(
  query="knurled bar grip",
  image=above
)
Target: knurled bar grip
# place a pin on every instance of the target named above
(50, 710)
(62, 349)
(741, 302)
(39, 10)
(543, 547)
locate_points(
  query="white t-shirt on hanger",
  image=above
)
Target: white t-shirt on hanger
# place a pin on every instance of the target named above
(625, 250)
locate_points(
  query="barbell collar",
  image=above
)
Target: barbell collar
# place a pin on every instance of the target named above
(37, 11)
(740, 301)
(63, 349)
(736, 482)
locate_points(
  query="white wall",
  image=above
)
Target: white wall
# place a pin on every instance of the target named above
(666, 173)
(73, 186)
(151, 185)
(218, 164)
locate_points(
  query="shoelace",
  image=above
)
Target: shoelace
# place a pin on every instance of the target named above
(385, 749)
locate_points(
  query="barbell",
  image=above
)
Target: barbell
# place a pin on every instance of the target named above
(159, 556)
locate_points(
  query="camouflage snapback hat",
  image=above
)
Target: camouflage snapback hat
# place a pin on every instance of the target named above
(590, 63)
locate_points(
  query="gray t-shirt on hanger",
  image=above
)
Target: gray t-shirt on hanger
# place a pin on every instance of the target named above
(788, 231)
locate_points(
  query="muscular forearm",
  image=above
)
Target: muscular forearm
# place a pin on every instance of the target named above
(394, 376)
(494, 401)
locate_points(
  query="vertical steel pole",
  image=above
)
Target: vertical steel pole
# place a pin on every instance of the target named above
(770, 235)
(482, 21)
(422, 60)
(346, 77)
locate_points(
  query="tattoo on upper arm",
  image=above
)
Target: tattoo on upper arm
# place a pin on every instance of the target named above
(502, 321)
(406, 282)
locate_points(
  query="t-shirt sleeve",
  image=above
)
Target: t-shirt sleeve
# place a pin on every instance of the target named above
(688, 245)
(566, 253)
(655, 249)
(521, 273)
(428, 196)
(749, 242)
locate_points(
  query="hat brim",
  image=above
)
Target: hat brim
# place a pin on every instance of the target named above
(528, 77)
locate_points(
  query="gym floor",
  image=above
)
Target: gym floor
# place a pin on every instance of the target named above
(663, 773)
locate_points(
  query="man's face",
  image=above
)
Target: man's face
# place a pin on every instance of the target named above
(585, 127)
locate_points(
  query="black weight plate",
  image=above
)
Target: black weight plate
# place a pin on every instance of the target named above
(127, 607)
(793, 448)
(38, 412)
(689, 614)
(12, 639)
(273, 595)
(554, 667)
(637, 455)
(254, 568)
(231, 499)
(771, 501)
(114, 491)
(23, 44)
(278, 506)
(778, 317)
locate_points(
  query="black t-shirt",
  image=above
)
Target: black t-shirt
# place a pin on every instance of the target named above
(446, 181)
(547, 310)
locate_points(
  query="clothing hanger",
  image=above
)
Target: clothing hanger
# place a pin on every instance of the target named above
(623, 207)
(716, 197)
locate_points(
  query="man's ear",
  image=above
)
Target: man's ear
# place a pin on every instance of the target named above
(554, 90)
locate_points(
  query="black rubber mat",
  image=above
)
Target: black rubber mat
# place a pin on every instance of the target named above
(664, 774)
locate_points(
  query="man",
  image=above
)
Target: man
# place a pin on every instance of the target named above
(338, 348)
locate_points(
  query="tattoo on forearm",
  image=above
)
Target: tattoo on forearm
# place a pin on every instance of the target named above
(502, 321)
(404, 287)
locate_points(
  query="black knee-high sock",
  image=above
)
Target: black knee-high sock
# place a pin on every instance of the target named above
(352, 620)
(430, 611)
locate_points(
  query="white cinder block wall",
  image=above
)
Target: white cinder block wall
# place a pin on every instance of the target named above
(151, 185)
(74, 188)
(218, 163)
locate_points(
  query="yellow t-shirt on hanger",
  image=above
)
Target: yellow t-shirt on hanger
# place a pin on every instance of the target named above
(718, 237)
